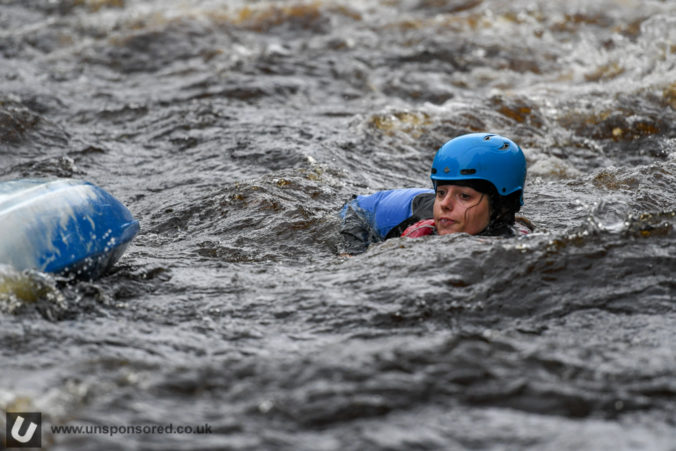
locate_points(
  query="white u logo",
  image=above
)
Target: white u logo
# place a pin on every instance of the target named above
(25, 438)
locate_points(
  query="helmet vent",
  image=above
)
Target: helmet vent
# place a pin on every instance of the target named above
(504, 146)
(468, 171)
(487, 137)
(434, 170)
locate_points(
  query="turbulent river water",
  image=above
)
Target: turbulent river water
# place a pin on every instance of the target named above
(235, 130)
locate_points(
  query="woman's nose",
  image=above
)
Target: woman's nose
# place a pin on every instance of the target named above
(447, 202)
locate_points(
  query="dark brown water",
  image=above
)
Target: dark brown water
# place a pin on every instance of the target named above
(234, 131)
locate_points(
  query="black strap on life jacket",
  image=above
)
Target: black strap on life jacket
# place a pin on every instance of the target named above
(422, 207)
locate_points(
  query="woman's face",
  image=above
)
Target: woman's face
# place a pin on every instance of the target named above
(460, 209)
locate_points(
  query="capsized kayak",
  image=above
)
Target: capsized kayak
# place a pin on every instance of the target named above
(62, 226)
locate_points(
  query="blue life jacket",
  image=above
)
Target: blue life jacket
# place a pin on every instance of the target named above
(385, 210)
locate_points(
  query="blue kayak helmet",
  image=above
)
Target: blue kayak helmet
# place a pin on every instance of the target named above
(482, 156)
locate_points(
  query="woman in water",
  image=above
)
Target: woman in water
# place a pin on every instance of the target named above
(478, 182)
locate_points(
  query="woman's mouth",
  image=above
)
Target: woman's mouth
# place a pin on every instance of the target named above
(446, 222)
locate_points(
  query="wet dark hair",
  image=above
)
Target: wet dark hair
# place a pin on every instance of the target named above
(503, 208)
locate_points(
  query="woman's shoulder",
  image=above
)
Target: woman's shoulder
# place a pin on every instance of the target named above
(420, 228)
